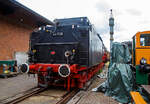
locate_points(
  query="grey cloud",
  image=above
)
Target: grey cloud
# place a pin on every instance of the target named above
(104, 28)
(117, 12)
(144, 22)
(103, 6)
(118, 27)
(134, 12)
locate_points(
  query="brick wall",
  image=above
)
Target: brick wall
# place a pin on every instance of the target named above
(14, 37)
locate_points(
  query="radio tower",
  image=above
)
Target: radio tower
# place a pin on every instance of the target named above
(111, 25)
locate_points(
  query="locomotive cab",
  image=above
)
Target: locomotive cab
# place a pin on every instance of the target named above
(141, 56)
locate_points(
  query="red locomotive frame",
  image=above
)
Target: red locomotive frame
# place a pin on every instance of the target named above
(78, 76)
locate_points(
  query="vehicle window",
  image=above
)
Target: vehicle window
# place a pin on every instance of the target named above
(145, 40)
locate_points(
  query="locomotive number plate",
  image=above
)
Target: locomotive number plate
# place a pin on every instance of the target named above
(58, 34)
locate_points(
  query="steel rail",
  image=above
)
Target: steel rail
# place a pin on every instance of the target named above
(68, 96)
(22, 96)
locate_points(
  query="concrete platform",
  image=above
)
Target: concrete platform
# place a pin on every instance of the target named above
(11, 74)
(147, 88)
(15, 85)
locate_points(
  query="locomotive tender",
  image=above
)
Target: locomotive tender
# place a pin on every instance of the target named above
(67, 54)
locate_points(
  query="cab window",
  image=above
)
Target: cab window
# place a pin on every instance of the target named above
(145, 40)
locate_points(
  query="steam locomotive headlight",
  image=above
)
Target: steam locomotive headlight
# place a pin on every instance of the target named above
(24, 68)
(64, 70)
(143, 61)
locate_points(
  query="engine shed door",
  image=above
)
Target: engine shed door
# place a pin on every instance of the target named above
(21, 57)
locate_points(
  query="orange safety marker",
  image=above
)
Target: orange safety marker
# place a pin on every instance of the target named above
(137, 98)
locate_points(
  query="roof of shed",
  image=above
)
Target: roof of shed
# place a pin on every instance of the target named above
(20, 13)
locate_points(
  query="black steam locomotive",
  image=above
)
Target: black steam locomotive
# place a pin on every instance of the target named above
(70, 51)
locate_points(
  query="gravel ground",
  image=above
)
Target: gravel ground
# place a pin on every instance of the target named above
(50, 96)
(15, 85)
(90, 97)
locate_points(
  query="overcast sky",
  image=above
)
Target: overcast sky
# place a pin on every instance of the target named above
(130, 16)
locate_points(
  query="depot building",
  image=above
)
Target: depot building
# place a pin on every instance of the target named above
(16, 24)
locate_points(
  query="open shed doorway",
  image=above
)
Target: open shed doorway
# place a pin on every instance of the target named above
(21, 57)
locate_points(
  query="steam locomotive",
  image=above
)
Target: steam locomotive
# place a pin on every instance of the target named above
(67, 54)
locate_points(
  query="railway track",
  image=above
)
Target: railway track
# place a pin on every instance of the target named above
(19, 97)
(42, 95)
(24, 97)
(68, 97)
